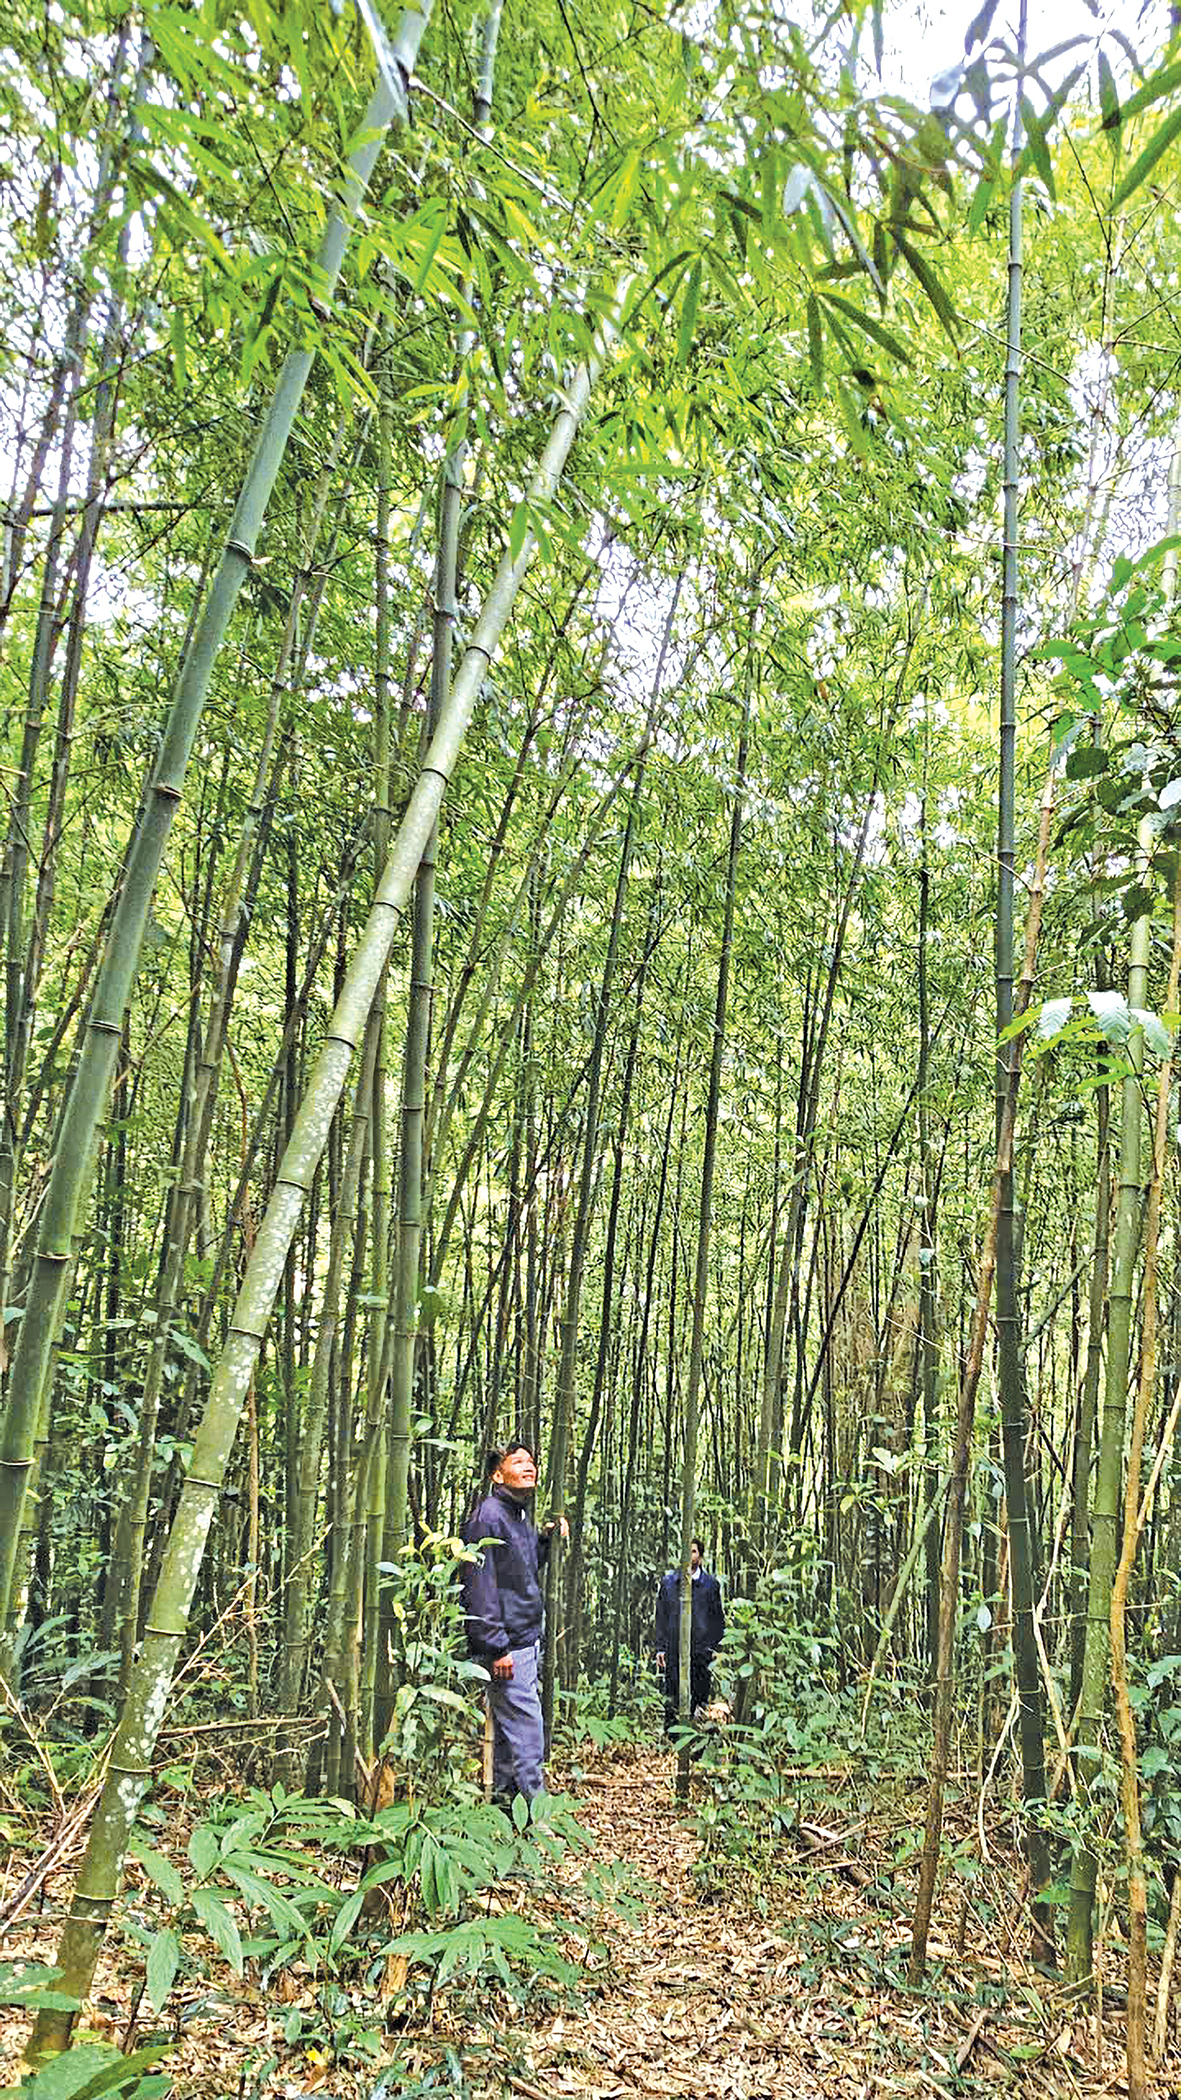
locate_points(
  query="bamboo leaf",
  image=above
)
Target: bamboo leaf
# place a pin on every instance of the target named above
(884, 337)
(978, 28)
(1145, 162)
(1108, 93)
(1154, 90)
(982, 197)
(833, 200)
(689, 314)
(815, 342)
(931, 282)
(851, 418)
(1038, 149)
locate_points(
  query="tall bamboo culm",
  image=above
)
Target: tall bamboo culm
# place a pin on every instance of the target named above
(411, 1163)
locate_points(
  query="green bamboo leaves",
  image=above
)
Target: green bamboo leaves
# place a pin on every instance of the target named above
(68, 1188)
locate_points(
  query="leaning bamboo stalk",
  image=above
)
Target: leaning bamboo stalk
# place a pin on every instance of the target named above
(373, 1676)
(1160, 2029)
(168, 1615)
(68, 1188)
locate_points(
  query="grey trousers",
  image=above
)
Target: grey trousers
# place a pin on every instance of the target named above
(518, 1737)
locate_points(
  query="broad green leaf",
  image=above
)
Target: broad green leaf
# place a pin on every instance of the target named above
(69, 2076)
(1052, 1019)
(163, 1962)
(1087, 761)
(161, 1871)
(1111, 1012)
(188, 1347)
(1156, 1035)
(346, 1917)
(1136, 901)
(203, 1850)
(220, 1926)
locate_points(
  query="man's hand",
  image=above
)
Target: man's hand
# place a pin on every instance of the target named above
(660, 1660)
(558, 1524)
(502, 1668)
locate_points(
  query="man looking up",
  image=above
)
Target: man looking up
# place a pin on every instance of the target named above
(708, 1626)
(502, 1595)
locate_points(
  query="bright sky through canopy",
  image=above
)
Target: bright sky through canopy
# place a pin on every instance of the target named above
(933, 39)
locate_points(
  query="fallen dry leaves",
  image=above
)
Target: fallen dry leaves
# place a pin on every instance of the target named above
(787, 1992)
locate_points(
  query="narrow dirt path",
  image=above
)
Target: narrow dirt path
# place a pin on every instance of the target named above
(795, 1990)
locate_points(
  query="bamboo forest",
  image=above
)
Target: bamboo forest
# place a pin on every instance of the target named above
(590, 1235)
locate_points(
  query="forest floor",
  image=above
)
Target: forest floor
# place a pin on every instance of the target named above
(725, 1988)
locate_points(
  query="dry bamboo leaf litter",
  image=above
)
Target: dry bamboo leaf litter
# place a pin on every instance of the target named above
(712, 1999)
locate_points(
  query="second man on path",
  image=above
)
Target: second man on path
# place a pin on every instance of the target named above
(708, 1626)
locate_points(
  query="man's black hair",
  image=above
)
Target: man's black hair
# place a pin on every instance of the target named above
(700, 1545)
(497, 1453)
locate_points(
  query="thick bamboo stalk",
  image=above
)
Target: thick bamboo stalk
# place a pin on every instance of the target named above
(1010, 1371)
(965, 1417)
(1105, 1517)
(1134, 1519)
(235, 915)
(704, 1223)
(374, 1687)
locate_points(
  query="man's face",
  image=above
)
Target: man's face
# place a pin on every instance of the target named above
(694, 1556)
(517, 1472)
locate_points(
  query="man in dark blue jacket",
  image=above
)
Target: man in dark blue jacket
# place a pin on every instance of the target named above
(502, 1594)
(708, 1626)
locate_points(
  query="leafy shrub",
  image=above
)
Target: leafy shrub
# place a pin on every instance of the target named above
(787, 1712)
(87, 2069)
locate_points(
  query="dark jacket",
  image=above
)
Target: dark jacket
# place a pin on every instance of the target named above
(502, 1590)
(709, 1620)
